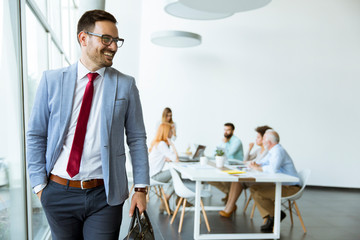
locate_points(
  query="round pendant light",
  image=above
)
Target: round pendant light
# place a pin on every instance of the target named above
(225, 6)
(177, 9)
(178, 39)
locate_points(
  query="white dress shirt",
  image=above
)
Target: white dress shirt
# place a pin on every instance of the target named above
(90, 165)
(157, 157)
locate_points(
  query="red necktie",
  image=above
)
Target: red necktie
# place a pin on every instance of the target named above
(80, 131)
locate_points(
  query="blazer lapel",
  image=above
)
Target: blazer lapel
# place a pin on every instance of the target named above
(68, 83)
(108, 101)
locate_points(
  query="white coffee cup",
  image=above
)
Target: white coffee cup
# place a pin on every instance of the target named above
(203, 161)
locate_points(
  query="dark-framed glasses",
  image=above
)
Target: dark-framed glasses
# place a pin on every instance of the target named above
(107, 39)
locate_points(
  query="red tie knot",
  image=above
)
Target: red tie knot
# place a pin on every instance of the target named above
(92, 76)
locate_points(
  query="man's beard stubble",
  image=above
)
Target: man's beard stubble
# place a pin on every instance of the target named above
(228, 136)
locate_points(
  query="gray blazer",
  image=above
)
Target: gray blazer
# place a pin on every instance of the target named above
(121, 111)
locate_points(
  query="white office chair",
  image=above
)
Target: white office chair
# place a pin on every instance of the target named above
(158, 188)
(247, 204)
(304, 177)
(183, 192)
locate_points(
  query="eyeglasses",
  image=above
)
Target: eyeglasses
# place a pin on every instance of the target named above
(107, 39)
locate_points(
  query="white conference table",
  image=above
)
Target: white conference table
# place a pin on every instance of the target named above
(197, 173)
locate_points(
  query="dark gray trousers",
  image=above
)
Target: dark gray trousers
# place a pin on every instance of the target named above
(74, 213)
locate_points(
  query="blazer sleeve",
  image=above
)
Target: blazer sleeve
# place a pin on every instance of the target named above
(136, 137)
(36, 136)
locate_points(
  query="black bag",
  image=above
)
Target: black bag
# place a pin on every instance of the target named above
(140, 228)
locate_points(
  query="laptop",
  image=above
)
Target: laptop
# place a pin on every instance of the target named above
(194, 158)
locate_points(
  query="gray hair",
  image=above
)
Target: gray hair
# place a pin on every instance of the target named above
(272, 136)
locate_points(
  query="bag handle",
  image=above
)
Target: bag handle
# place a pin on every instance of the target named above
(135, 217)
(147, 219)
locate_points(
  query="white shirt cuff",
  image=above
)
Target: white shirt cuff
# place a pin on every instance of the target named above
(39, 187)
(141, 185)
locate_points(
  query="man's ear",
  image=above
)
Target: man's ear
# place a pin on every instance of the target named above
(82, 39)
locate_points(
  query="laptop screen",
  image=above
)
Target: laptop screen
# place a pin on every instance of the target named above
(199, 152)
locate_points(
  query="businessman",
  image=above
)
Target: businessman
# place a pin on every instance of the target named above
(75, 138)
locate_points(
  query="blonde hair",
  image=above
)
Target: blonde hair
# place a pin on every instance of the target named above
(164, 115)
(162, 134)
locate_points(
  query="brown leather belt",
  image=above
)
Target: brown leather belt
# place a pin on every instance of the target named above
(87, 184)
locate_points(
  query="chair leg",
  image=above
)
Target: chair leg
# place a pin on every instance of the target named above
(165, 201)
(299, 215)
(247, 203)
(148, 195)
(290, 210)
(156, 191)
(252, 211)
(205, 217)
(176, 210)
(182, 216)
(132, 187)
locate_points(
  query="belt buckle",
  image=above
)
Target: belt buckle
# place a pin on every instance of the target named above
(81, 184)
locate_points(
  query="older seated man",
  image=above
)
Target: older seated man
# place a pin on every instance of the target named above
(276, 161)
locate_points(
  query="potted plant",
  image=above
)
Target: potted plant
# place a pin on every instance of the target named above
(219, 158)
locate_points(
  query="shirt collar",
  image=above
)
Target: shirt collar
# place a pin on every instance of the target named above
(83, 71)
(274, 148)
(232, 137)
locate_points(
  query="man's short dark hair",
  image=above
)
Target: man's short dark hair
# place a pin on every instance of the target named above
(262, 129)
(230, 125)
(88, 19)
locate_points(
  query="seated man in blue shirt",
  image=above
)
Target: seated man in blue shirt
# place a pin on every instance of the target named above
(232, 144)
(233, 148)
(276, 161)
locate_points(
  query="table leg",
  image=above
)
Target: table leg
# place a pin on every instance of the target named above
(277, 210)
(197, 210)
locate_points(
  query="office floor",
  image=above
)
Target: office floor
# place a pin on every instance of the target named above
(328, 214)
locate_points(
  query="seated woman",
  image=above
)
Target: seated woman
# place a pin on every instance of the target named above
(237, 187)
(167, 118)
(162, 150)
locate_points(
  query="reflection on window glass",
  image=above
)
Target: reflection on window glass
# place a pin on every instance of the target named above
(37, 62)
(12, 182)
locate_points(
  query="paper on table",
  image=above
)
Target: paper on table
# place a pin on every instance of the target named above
(233, 171)
(198, 166)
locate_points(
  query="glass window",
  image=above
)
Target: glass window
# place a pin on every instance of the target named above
(55, 56)
(74, 45)
(42, 5)
(65, 24)
(37, 62)
(40, 54)
(12, 165)
(37, 55)
(54, 17)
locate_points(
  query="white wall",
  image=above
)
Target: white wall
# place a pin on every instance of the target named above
(293, 65)
(128, 15)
